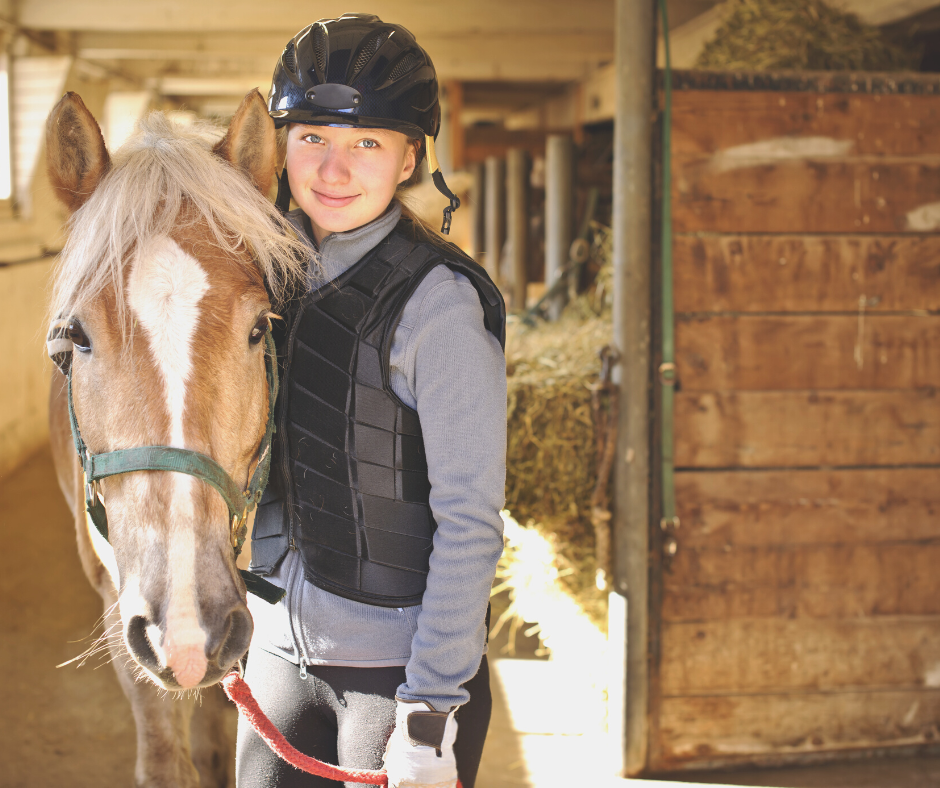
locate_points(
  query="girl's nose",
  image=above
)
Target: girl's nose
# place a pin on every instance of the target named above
(334, 167)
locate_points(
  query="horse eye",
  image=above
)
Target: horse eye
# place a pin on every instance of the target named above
(77, 336)
(260, 329)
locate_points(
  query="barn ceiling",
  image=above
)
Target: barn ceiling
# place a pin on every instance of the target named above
(198, 51)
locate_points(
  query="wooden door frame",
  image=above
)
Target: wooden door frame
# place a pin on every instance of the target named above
(628, 698)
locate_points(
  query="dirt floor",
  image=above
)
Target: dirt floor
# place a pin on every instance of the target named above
(71, 727)
(60, 727)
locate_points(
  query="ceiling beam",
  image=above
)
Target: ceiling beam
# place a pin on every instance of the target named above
(422, 17)
(574, 46)
(192, 82)
(213, 86)
(461, 56)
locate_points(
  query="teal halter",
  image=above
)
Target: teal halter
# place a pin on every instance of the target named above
(168, 458)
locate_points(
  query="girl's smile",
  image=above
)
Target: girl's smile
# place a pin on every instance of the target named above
(334, 201)
(344, 177)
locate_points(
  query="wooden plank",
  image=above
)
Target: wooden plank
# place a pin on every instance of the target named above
(748, 656)
(704, 729)
(773, 508)
(768, 429)
(805, 193)
(484, 141)
(805, 274)
(753, 352)
(803, 581)
(458, 133)
(707, 121)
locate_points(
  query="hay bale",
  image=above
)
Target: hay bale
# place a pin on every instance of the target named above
(797, 35)
(550, 459)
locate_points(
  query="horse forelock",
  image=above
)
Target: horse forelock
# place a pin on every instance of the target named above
(166, 177)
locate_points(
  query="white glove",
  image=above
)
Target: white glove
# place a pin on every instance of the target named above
(420, 753)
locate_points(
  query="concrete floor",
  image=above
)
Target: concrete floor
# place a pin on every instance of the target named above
(72, 726)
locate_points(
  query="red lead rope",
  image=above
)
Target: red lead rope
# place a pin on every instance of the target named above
(240, 694)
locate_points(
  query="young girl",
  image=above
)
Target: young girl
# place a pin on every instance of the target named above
(381, 520)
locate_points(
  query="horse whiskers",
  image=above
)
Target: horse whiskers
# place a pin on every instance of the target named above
(102, 642)
(99, 647)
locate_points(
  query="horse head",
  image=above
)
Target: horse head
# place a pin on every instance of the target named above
(164, 290)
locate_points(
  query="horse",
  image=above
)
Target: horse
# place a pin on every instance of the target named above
(164, 293)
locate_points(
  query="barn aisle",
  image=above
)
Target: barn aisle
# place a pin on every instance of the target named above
(60, 727)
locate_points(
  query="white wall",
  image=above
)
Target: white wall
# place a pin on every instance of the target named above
(24, 371)
(24, 289)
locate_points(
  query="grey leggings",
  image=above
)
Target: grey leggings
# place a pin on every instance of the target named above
(342, 716)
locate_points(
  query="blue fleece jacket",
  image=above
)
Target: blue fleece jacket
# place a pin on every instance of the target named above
(448, 367)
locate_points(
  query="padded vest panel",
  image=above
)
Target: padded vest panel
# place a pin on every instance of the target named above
(358, 496)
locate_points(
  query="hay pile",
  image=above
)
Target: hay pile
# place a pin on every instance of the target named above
(797, 35)
(551, 463)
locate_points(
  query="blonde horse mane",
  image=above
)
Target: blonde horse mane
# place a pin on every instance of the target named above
(166, 175)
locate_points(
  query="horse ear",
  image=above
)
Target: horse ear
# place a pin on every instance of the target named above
(76, 156)
(250, 142)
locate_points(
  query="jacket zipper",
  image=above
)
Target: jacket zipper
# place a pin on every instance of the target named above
(289, 495)
(282, 426)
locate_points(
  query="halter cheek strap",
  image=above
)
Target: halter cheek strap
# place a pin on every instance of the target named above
(169, 458)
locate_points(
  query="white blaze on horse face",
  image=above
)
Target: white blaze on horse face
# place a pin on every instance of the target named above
(166, 286)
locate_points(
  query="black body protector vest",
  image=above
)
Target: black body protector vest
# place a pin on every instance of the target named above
(353, 473)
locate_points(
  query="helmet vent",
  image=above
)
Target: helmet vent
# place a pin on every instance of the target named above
(369, 47)
(320, 47)
(289, 58)
(408, 63)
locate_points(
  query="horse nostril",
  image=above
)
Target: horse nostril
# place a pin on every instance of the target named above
(139, 644)
(236, 635)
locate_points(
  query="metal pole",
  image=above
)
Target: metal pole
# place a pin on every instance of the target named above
(559, 201)
(517, 203)
(495, 215)
(477, 212)
(635, 34)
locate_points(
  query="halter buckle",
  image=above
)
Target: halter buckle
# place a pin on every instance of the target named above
(239, 530)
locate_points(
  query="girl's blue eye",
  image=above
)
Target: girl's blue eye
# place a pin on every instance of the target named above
(369, 143)
(312, 138)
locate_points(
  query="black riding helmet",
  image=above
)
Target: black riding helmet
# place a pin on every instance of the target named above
(359, 71)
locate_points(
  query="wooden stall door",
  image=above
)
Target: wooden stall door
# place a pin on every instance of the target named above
(800, 617)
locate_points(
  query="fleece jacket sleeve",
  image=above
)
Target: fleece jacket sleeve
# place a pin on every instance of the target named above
(456, 372)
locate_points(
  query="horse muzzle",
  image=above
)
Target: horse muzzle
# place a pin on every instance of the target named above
(181, 657)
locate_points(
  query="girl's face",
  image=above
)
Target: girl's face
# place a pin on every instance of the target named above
(344, 178)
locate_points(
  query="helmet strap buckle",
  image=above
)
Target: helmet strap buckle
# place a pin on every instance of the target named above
(449, 213)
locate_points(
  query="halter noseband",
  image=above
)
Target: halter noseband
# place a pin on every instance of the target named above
(169, 458)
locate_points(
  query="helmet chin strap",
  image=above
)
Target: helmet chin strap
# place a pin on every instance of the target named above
(437, 176)
(282, 201)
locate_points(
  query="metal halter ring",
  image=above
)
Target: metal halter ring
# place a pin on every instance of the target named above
(92, 490)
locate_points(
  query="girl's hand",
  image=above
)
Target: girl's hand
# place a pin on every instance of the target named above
(420, 752)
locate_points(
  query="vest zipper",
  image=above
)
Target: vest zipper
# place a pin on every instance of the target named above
(282, 426)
